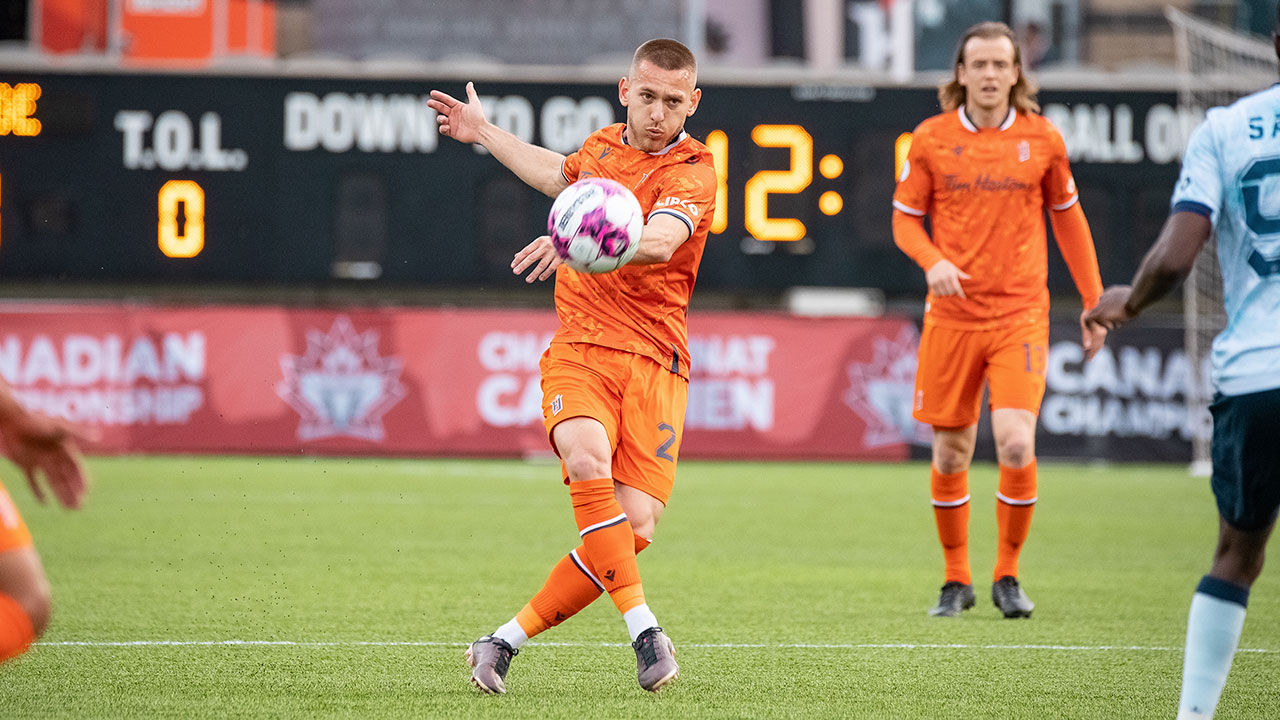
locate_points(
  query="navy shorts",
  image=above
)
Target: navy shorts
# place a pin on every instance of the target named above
(1246, 458)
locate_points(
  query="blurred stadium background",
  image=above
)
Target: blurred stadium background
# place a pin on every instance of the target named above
(275, 164)
(229, 227)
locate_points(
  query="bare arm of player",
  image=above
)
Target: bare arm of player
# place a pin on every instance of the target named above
(940, 273)
(1163, 267)
(541, 256)
(42, 446)
(661, 236)
(1075, 241)
(466, 122)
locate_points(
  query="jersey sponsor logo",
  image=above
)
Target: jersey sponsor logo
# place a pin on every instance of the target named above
(880, 392)
(675, 202)
(984, 183)
(341, 386)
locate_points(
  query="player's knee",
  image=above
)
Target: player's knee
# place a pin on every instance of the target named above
(1239, 558)
(1015, 450)
(586, 465)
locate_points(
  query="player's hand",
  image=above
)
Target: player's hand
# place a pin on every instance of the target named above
(1111, 311)
(944, 279)
(1092, 336)
(459, 120)
(49, 449)
(541, 256)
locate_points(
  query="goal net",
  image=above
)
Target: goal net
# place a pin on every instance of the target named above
(1216, 65)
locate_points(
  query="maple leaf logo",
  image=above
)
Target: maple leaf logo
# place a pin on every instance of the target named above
(880, 391)
(341, 386)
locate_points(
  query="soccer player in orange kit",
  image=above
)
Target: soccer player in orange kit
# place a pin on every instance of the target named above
(39, 446)
(615, 380)
(985, 171)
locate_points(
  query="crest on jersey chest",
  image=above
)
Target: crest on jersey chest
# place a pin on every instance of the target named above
(1024, 151)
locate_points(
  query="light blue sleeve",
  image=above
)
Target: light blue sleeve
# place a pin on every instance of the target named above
(1199, 187)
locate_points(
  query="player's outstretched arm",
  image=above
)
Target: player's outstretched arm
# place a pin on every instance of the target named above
(1163, 267)
(466, 122)
(45, 449)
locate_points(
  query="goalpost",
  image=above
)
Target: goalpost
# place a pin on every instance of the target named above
(1216, 65)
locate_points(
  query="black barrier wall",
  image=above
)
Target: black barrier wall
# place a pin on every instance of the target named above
(170, 178)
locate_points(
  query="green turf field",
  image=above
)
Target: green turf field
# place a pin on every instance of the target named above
(255, 587)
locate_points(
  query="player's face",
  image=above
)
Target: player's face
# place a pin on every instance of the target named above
(657, 102)
(988, 73)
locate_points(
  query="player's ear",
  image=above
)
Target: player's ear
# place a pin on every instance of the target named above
(622, 90)
(693, 106)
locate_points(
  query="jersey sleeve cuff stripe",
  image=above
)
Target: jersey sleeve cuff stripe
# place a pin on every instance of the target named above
(908, 209)
(678, 215)
(562, 173)
(1063, 206)
(1193, 207)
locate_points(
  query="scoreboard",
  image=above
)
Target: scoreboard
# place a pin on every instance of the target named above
(170, 178)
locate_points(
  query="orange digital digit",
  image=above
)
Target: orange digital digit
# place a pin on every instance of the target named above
(792, 180)
(17, 108)
(718, 145)
(181, 224)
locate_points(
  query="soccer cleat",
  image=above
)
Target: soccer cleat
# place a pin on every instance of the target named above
(1007, 595)
(655, 659)
(956, 597)
(489, 658)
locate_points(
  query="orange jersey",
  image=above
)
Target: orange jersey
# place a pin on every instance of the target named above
(641, 308)
(986, 192)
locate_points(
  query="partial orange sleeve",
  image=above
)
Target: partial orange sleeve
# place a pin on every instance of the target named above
(910, 236)
(1076, 244)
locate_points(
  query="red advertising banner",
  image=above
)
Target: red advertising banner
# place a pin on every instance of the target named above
(438, 382)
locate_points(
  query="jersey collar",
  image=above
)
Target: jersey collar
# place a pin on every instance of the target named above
(679, 138)
(968, 124)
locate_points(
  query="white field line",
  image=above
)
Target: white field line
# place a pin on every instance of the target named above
(729, 646)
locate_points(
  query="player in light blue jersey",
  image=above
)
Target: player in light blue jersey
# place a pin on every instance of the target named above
(1230, 182)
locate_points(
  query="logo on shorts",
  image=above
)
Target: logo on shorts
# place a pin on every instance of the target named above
(880, 391)
(341, 385)
(557, 404)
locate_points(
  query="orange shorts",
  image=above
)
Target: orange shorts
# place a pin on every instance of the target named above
(13, 531)
(954, 364)
(640, 404)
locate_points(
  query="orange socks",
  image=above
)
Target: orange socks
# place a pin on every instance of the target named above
(16, 632)
(572, 585)
(950, 496)
(608, 540)
(1015, 499)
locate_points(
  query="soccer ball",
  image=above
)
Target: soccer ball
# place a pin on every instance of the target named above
(595, 225)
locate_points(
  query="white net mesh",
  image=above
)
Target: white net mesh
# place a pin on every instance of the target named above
(1216, 66)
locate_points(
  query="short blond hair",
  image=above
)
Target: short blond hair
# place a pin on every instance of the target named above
(667, 54)
(1022, 96)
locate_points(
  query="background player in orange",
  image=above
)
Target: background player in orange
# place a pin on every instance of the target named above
(615, 378)
(40, 447)
(985, 171)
